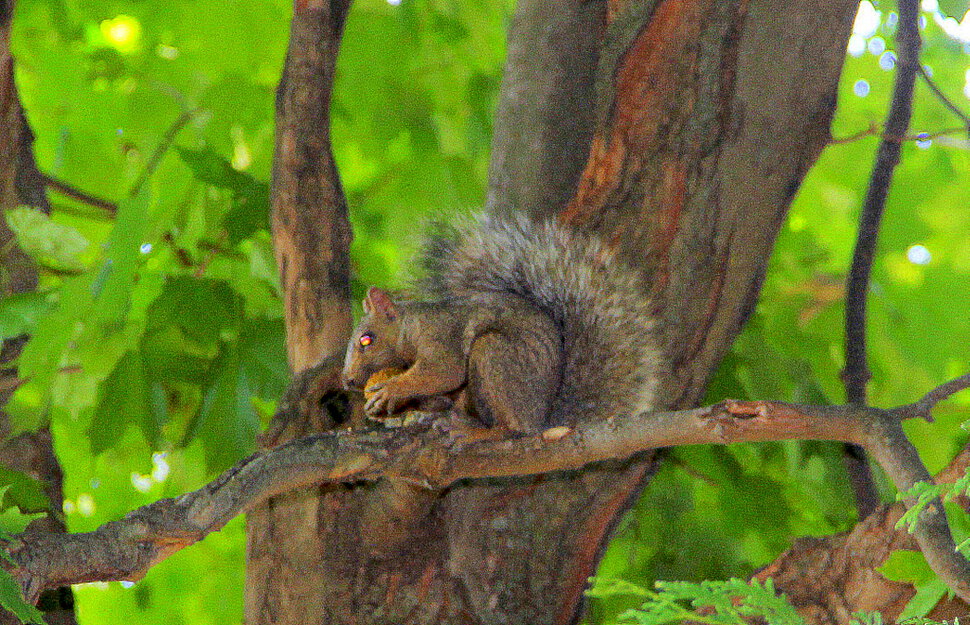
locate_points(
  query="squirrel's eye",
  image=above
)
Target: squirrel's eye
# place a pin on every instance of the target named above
(366, 339)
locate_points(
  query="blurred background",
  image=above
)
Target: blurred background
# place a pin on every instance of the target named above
(157, 347)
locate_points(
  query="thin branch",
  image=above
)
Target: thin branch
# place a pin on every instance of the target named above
(923, 407)
(873, 131)
(72, 192)
(856, 373)
(427, 455)
(942, 97)
(156, 158)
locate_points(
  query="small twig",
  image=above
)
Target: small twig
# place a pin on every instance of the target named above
(156, 158)
(856, 373)
(923, 408)
(8, 384)
(942, 97)
(213, 250)
(873, 131)
(77, 194)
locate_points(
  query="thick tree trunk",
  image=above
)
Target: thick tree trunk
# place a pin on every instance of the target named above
(707, 116)
(21, 184)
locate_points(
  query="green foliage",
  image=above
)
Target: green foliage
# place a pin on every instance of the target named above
(910, 567)
(18, 493)
(19, 490)
(249, 210)
(875, 618)
(717, 603)
(50, 244)
(157, 348)
(923, 493)
(20, 312)
(955, 8)
(10, 599)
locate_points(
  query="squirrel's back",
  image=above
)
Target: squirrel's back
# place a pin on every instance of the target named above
(611, 357)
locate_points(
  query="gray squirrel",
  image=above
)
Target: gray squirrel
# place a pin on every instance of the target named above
(523, 325)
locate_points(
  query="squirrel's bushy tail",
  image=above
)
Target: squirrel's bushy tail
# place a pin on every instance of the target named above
(611, 354)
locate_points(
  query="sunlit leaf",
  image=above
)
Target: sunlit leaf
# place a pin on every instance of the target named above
(51, 244)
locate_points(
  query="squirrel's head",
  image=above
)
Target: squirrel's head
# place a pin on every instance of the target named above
(374, 344)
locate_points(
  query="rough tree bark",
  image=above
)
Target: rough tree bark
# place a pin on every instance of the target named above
(311, 235)
(844, 577)
(22, 184)
(683, 149)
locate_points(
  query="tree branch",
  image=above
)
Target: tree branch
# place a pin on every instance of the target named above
(874, 131)
(856, 374)
(942, 97)
(421, 454)
(72, 192)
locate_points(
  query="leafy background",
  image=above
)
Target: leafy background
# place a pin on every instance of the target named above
(157, 349)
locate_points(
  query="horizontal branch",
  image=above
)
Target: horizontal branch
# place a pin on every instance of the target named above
(429, 455)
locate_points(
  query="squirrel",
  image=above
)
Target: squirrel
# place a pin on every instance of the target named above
(521, 324)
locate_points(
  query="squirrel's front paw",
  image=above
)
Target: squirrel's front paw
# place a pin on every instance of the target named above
(383, 399)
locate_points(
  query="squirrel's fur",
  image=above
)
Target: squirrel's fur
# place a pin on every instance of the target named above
(609, 357)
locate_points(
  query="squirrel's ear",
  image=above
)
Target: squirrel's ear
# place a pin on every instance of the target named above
(379, 301)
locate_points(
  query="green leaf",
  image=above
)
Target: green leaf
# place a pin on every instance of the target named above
(169, 357)
(112, 290)
(227, 422)
(22, 491)
(20, 312)
(51, 244)
(866, 618)
(12, 521)
(11, 600)
(200, 307)
(907, 566)
(124, 398)
(926, 597)
(910, 567)
(954, 8)
(250, 202)
(262, 351)
(43, 354)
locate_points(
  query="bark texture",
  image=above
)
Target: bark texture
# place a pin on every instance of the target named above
(311, 235)
(21, 184)
(706, 117)
(709, 114)
(844, 577)
(545, 116)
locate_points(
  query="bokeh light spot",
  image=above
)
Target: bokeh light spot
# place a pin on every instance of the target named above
(919, 255)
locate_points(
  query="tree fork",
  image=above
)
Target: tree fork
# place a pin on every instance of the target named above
(711, 139)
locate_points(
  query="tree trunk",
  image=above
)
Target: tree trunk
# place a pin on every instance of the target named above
(695, 131)
(21, 184)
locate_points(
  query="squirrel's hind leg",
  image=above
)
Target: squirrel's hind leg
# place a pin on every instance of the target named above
(512, 380)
